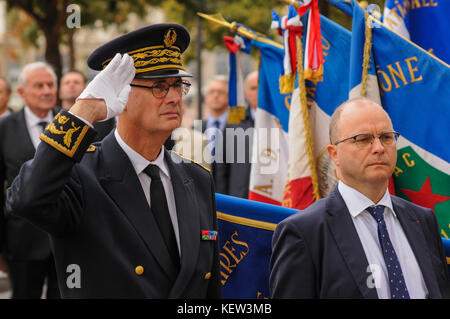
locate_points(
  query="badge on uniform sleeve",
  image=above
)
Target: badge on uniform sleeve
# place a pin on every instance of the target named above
(209, 235)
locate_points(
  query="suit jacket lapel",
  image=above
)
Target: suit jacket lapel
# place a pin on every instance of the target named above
(120, 181)
(414, 233)
(23, 134)
(188, 223)
(347, 239)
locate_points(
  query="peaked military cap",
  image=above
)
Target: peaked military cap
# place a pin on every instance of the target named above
(155, 49)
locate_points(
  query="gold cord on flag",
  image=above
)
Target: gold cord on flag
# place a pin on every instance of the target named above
(366, 57)
(305, 115)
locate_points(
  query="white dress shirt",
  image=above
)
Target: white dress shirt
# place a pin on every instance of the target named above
(139, 164)
(34, 129)
(366, 227)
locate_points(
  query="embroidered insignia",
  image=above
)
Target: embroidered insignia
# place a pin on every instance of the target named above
(209, 235)
(169, 38)
(67, 134)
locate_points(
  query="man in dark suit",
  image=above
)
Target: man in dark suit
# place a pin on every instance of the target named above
(233, 173)
(71, 85)
(216, 100)
(25, 247)
(360, 241)
(127, 218)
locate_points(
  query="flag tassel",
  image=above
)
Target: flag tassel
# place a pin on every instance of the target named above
(305, 115)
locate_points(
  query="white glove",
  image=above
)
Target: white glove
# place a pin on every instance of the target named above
(112, 85)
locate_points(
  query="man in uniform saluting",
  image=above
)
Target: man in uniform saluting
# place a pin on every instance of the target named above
(125, 215)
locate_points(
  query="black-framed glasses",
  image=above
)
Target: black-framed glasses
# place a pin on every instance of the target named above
(363, 141)
(160, 90)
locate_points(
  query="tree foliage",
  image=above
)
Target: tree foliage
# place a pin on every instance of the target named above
(50, 18)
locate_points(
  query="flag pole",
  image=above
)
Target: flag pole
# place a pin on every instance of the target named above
(239, 30)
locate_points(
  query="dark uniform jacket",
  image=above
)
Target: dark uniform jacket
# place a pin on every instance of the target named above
(232, 175)
(19, 240)
(101, 224)
(317, 253)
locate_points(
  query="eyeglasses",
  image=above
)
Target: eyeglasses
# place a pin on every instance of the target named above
(363, 141)
(160, 90)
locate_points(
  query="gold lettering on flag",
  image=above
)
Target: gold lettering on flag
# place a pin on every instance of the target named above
(391, 73)
(234, 252)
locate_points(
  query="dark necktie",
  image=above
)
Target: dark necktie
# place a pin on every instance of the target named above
(43, 124)
(216, 125)
(395, 275)
(160, 210)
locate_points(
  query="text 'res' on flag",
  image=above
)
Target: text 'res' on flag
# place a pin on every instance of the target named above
(245, 245)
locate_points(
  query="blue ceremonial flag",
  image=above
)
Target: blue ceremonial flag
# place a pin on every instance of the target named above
(245, 240)
(414, 90)
(424, 22)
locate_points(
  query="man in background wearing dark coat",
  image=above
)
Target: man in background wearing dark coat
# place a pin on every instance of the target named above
(233, 173)
(26, 247)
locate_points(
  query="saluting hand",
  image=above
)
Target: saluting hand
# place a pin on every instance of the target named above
(112, 85)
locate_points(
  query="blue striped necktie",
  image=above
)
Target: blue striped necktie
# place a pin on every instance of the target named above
(397, 283)
(214, 136)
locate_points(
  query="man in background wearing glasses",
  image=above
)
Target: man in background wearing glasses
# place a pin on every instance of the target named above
(360, 241)
(127, 218)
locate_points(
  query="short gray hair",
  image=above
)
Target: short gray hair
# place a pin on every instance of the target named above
(34, 66)
(221, 78)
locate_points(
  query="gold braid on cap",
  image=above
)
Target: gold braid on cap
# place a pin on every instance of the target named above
(167, 56)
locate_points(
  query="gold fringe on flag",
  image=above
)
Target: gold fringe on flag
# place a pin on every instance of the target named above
(305, 115)
(236, 114)
(366, 57)
(314, 76)
(287, 83)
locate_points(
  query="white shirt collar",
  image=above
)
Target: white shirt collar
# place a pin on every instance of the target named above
(357, 202)
(33, 120)
(138, 161)
(252, 113)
